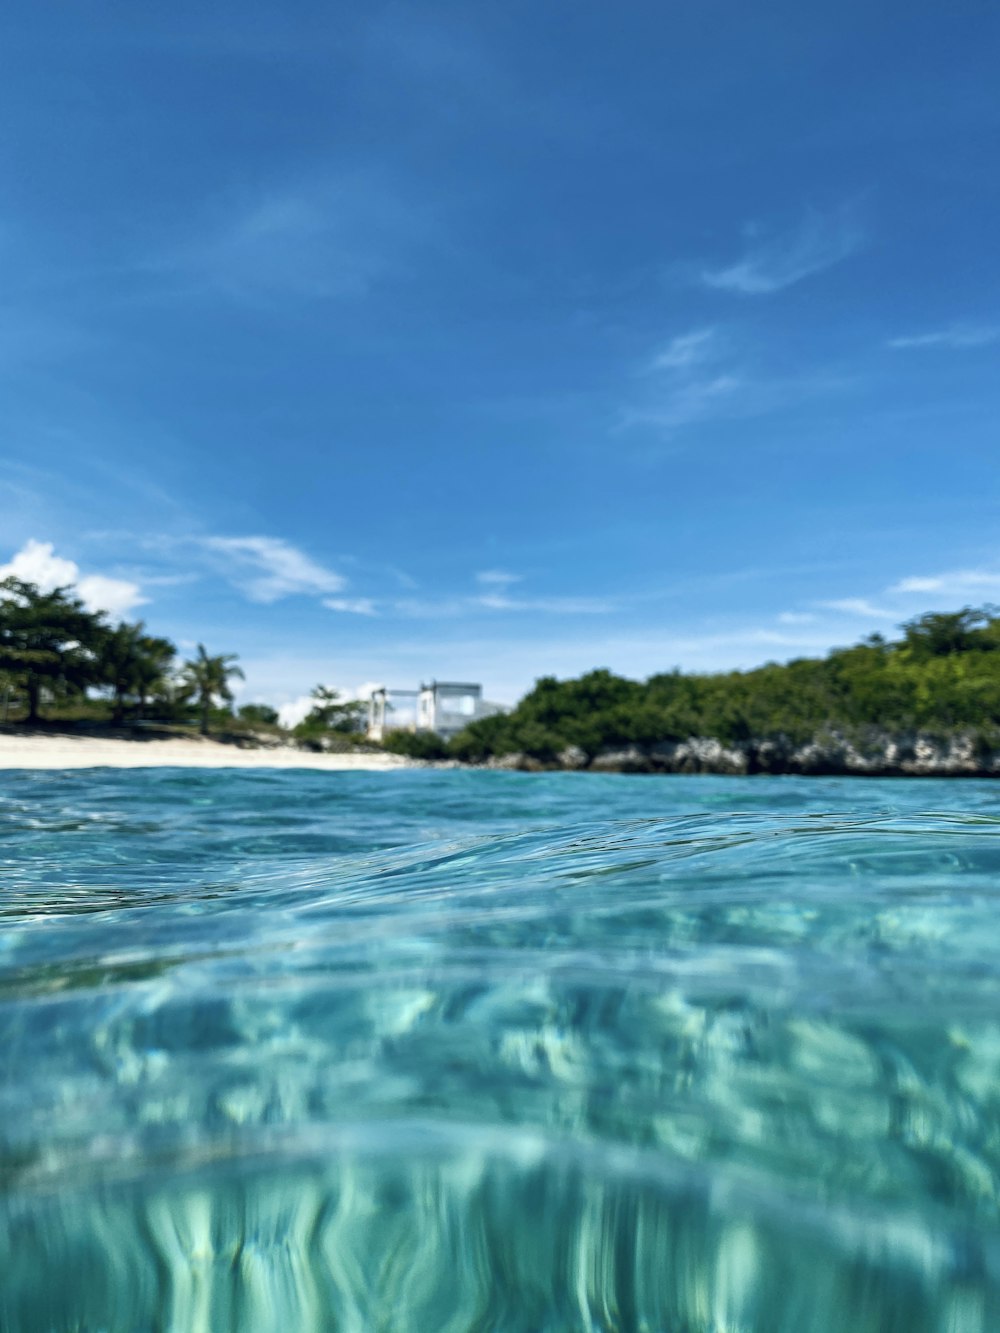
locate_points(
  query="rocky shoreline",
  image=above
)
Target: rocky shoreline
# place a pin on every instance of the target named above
(873, 754)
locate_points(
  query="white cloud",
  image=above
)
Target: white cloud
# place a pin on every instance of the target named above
(497, 578)
(953, 338)
(860, 606)
(495, 597)
(37, 563)
(698, 378)
(364, 690)
(956, 583)
(694, 400)
(683, 394)
(115, 596)
(797, 618)
(554, 605)
(686, 350)
(294, 711)
(358, 606)
(267, 568)
(771, 264)
(917, 584)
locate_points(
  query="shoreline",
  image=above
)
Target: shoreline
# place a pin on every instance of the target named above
(38, 751)
(61, 751)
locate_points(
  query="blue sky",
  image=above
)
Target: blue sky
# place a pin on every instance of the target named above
(492, 340)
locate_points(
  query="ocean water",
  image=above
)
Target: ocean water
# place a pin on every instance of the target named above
(296, 1051)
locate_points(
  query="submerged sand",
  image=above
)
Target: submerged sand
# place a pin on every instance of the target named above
(55, 752)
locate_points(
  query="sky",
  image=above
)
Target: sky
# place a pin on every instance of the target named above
(383, 342)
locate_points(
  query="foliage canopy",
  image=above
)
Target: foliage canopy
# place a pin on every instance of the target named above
(942, 676)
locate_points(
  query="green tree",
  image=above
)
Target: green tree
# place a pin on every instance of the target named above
(133, 664)
(47, 639)
(152, 669)
(207, 680)
(941, 634)
(257, 714)
(336, 713)
(118, 654)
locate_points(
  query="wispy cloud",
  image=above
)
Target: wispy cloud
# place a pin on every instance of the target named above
(954, 583)
(774, 262)
(953, 339)
(585, 606)
(36, 562)
(494, 596)
(358, 606)
(497, 578)
(451, 607)
(860, 606)
(687, 349)
(681, 386)
(901, 600)
(706, 375)
(321, 239)
(267, 568)
(681, 404)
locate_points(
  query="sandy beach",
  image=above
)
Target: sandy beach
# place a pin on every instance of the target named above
(54, 752)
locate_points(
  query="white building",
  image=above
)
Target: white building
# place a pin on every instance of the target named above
(445, 707)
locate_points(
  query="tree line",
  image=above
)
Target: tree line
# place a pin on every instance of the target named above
(941, 677)
(53, 651)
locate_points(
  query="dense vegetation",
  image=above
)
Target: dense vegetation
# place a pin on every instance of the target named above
(417, 744)
(60, 660)
(941, 677)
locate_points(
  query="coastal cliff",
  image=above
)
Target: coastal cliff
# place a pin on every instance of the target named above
(876, 753)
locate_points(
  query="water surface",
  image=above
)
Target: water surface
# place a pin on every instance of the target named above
(465, 1050)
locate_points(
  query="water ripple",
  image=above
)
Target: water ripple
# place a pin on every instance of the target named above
(592, 1053)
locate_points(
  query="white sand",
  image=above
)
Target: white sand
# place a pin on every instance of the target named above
(95, 752)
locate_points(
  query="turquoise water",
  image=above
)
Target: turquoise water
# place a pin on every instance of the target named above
(485, 1051)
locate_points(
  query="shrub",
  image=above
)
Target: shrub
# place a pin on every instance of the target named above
(415, 744)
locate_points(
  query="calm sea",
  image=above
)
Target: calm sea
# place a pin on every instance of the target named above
(428, 1051)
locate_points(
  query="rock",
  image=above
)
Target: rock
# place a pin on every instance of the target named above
(770, 756)
(864, 752)
(573, 757)
(705, 754)
(529, 764)
(662, 756)
(957, 755)
(506, 761)
(630, 760)
(892, 754)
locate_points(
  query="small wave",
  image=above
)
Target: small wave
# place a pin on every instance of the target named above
(640, 1068)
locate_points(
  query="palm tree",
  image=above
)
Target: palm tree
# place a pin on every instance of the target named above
(152, 667)
(208, 679)
(133, 663)
(118, 657)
